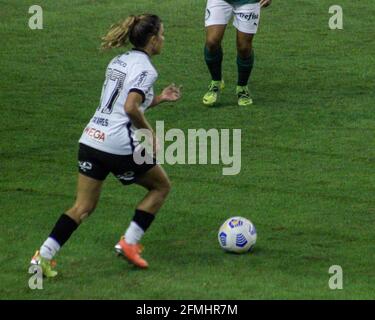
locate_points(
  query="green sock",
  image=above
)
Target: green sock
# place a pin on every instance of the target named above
(213, 61)
(245, 66)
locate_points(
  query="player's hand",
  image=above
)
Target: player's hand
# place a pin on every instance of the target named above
(171, 93)
(265, 3)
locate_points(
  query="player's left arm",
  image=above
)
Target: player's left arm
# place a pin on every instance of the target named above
(169, 94)
(265, 3)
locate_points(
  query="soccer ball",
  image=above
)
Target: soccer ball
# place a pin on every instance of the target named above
(238, 235)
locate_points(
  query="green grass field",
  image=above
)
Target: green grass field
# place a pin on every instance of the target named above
(308, 156)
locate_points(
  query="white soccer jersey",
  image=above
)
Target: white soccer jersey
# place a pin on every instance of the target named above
(110, 129)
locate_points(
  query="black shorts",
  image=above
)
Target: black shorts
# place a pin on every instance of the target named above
(98, 164)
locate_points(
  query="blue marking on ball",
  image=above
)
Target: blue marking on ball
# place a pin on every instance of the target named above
(241, 240)
(234, 223)
(252, 230)
(223, 239)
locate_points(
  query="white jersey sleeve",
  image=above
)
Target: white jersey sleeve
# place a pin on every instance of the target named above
(141, 81)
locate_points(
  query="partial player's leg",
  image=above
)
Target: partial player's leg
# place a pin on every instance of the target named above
(158, 185)
(88, 192)
(245, 63)
(246, 21)
(218, 13)
(91, 175)
(213, 55)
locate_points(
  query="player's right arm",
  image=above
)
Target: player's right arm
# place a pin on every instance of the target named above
(169, 94)
(132, 109)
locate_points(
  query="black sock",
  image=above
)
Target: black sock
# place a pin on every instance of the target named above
(245, 66)
(143, 219)
(63, 229)
(213, 61)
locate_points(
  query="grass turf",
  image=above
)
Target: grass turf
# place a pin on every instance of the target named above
(307, 178)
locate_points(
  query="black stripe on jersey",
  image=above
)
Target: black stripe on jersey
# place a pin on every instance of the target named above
(128, 125)
(139, 92)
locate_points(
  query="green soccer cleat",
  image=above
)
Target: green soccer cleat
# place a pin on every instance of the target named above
(214, 88)
(243, 95)
(45, 264)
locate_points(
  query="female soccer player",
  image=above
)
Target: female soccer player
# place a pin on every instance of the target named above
(246, 20)
(108, 143)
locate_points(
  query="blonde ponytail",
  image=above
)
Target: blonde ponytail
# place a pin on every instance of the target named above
(118, 34)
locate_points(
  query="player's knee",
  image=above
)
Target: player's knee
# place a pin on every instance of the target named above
(244, 50)
(213, 44)
(165, 188)
(81, 211)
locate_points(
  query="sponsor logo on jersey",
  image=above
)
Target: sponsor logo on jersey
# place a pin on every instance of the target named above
(85, 165)
(95, 134)
(141, 78)
(248, 16)
(120, 62)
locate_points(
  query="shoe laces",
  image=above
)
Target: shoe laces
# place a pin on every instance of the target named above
(138, 247)
(213, 87)
(244, 93)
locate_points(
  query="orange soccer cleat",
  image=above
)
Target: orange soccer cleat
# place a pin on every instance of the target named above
(131, 252)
